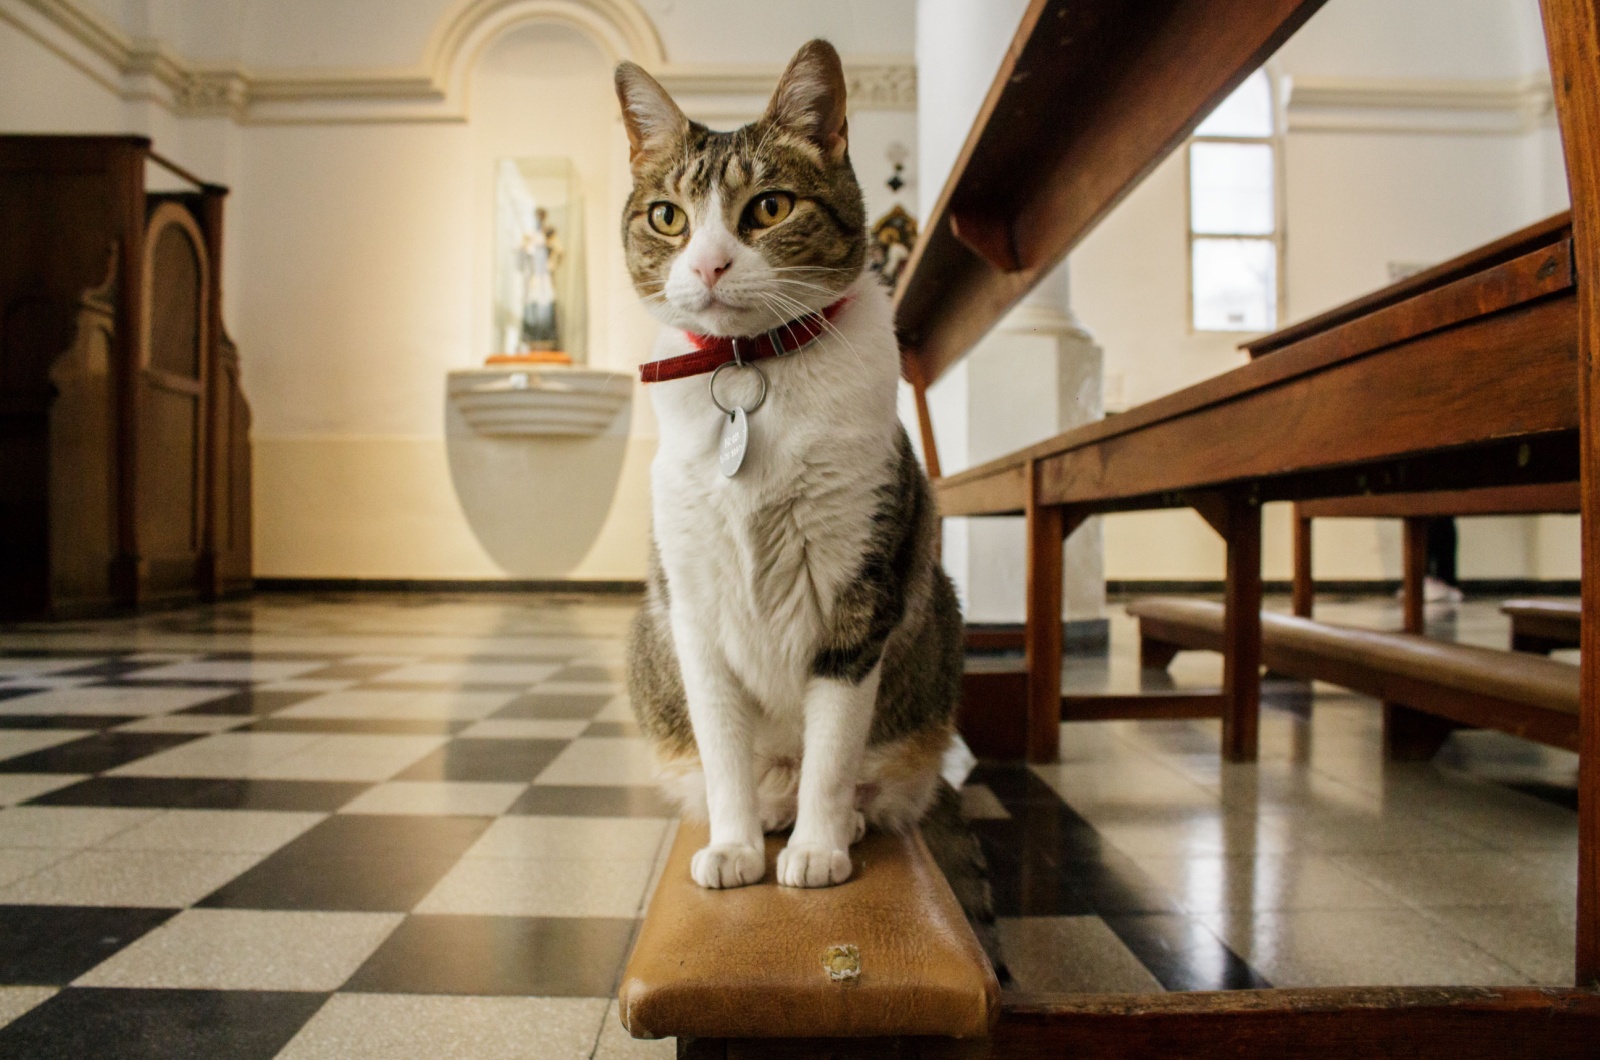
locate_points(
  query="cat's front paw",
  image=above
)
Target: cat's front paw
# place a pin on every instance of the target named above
(812, 865)
(728, 865)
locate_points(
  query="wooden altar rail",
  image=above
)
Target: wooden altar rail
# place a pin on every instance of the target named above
(1090, 98)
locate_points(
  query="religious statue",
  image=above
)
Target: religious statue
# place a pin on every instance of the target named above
(538, 258)
(893, 236)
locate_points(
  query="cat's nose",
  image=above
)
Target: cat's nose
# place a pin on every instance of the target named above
(710, 271)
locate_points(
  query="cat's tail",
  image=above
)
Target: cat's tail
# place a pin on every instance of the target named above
(956, 851)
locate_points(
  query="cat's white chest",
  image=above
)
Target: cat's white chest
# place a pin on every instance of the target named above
(758, 559)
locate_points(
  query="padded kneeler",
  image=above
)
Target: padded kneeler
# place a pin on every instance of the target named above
(887, 953)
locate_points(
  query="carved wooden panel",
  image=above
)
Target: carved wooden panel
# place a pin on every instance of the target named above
(172, 401)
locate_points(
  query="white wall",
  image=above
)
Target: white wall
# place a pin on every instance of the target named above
(1361, 192)
(357, 268)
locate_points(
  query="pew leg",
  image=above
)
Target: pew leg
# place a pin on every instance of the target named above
(1241, 634)
(1304, 590)
(1411, 735)
(1414, 573)
(1046, 533)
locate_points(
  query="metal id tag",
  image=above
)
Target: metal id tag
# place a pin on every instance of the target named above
(735, 441)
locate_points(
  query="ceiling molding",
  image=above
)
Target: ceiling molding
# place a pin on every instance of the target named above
(1325, 104)
(433, 91)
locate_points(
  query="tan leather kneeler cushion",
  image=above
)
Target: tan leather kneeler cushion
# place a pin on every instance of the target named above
(748, 962)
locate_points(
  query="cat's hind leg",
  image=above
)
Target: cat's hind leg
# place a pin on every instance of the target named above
(838, 716)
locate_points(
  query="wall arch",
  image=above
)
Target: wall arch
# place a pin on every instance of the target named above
(620, 27)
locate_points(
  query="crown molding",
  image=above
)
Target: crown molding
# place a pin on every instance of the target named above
(433, 91)
(1328, 104)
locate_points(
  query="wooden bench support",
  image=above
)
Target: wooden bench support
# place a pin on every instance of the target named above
(1237, 517)
(1143, 706)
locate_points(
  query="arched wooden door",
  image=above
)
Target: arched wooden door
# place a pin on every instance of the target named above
(172, 397)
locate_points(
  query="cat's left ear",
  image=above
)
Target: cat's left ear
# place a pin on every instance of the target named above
(652, 119)
(810, 99)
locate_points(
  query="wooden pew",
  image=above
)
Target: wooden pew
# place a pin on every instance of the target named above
(1544, 626)
(1089, 99)
(1416, 509)
(1460, 683)
(1466, 382)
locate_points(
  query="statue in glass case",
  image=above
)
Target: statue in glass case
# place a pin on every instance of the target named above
(540, 259)
(539, 310)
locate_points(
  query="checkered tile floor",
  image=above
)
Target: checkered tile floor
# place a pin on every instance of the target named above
(229, 832)
(393, 827)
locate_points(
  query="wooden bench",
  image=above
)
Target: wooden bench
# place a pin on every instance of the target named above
(718, 968)
(1520, 694)
(1416, 509)
(1544, 626)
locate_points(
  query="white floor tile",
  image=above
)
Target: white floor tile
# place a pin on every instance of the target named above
(139, 878)
(564, 838)
(524, 729)
(606, 760)
(475, 673)
(17, 1000)
(231, 670)
(406, 1026)
(118, 699)
(215, 831)
(67, 827)
(20, 787)
(436, 797)
(247, 949)
(520, 887)
(229, 754)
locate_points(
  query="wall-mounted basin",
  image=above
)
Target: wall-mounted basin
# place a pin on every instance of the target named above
(548, 400)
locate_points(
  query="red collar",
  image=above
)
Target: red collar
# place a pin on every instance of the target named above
(713, 351)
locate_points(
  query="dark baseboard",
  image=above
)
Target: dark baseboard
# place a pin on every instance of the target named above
(445, 585)
(1472, 587)
(1079, 636)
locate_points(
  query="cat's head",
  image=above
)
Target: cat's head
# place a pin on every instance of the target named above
(735, 233)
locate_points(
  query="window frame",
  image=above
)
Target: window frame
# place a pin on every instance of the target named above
(1275, 143)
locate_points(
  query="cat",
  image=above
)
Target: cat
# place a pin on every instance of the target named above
(797, 660)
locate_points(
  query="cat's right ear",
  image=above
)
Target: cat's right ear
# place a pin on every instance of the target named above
(652, 119)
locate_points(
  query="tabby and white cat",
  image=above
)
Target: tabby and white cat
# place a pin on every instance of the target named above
(798, 656)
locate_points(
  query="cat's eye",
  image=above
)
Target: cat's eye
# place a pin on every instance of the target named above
(768, 209)
(668, 219)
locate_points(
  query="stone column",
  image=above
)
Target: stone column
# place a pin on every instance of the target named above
(1037, 374)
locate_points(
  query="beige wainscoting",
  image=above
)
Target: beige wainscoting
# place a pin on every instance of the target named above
(384, 507)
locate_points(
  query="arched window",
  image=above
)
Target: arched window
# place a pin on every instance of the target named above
(1235, 224)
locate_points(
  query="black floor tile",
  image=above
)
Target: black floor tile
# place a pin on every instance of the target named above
(65, 721)
(97, 753)
(205, 794)
(251, 701)
(496, 955)
(45, 945)
(17, 692)
(553, 705)
(549, 800)
(1184, 954)
(380, 726)
(84, 1024)
(612, 728)
(276, 656)
(486, 760)
(355, 862)
(589, 673)
(107, 668)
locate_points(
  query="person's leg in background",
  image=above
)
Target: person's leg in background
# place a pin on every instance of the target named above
(1441, 585)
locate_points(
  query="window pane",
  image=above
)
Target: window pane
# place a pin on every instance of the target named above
(1235, 285)
(1248, 112)
(1230, 189)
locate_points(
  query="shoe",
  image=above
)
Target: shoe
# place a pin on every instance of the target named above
(1435, 591)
